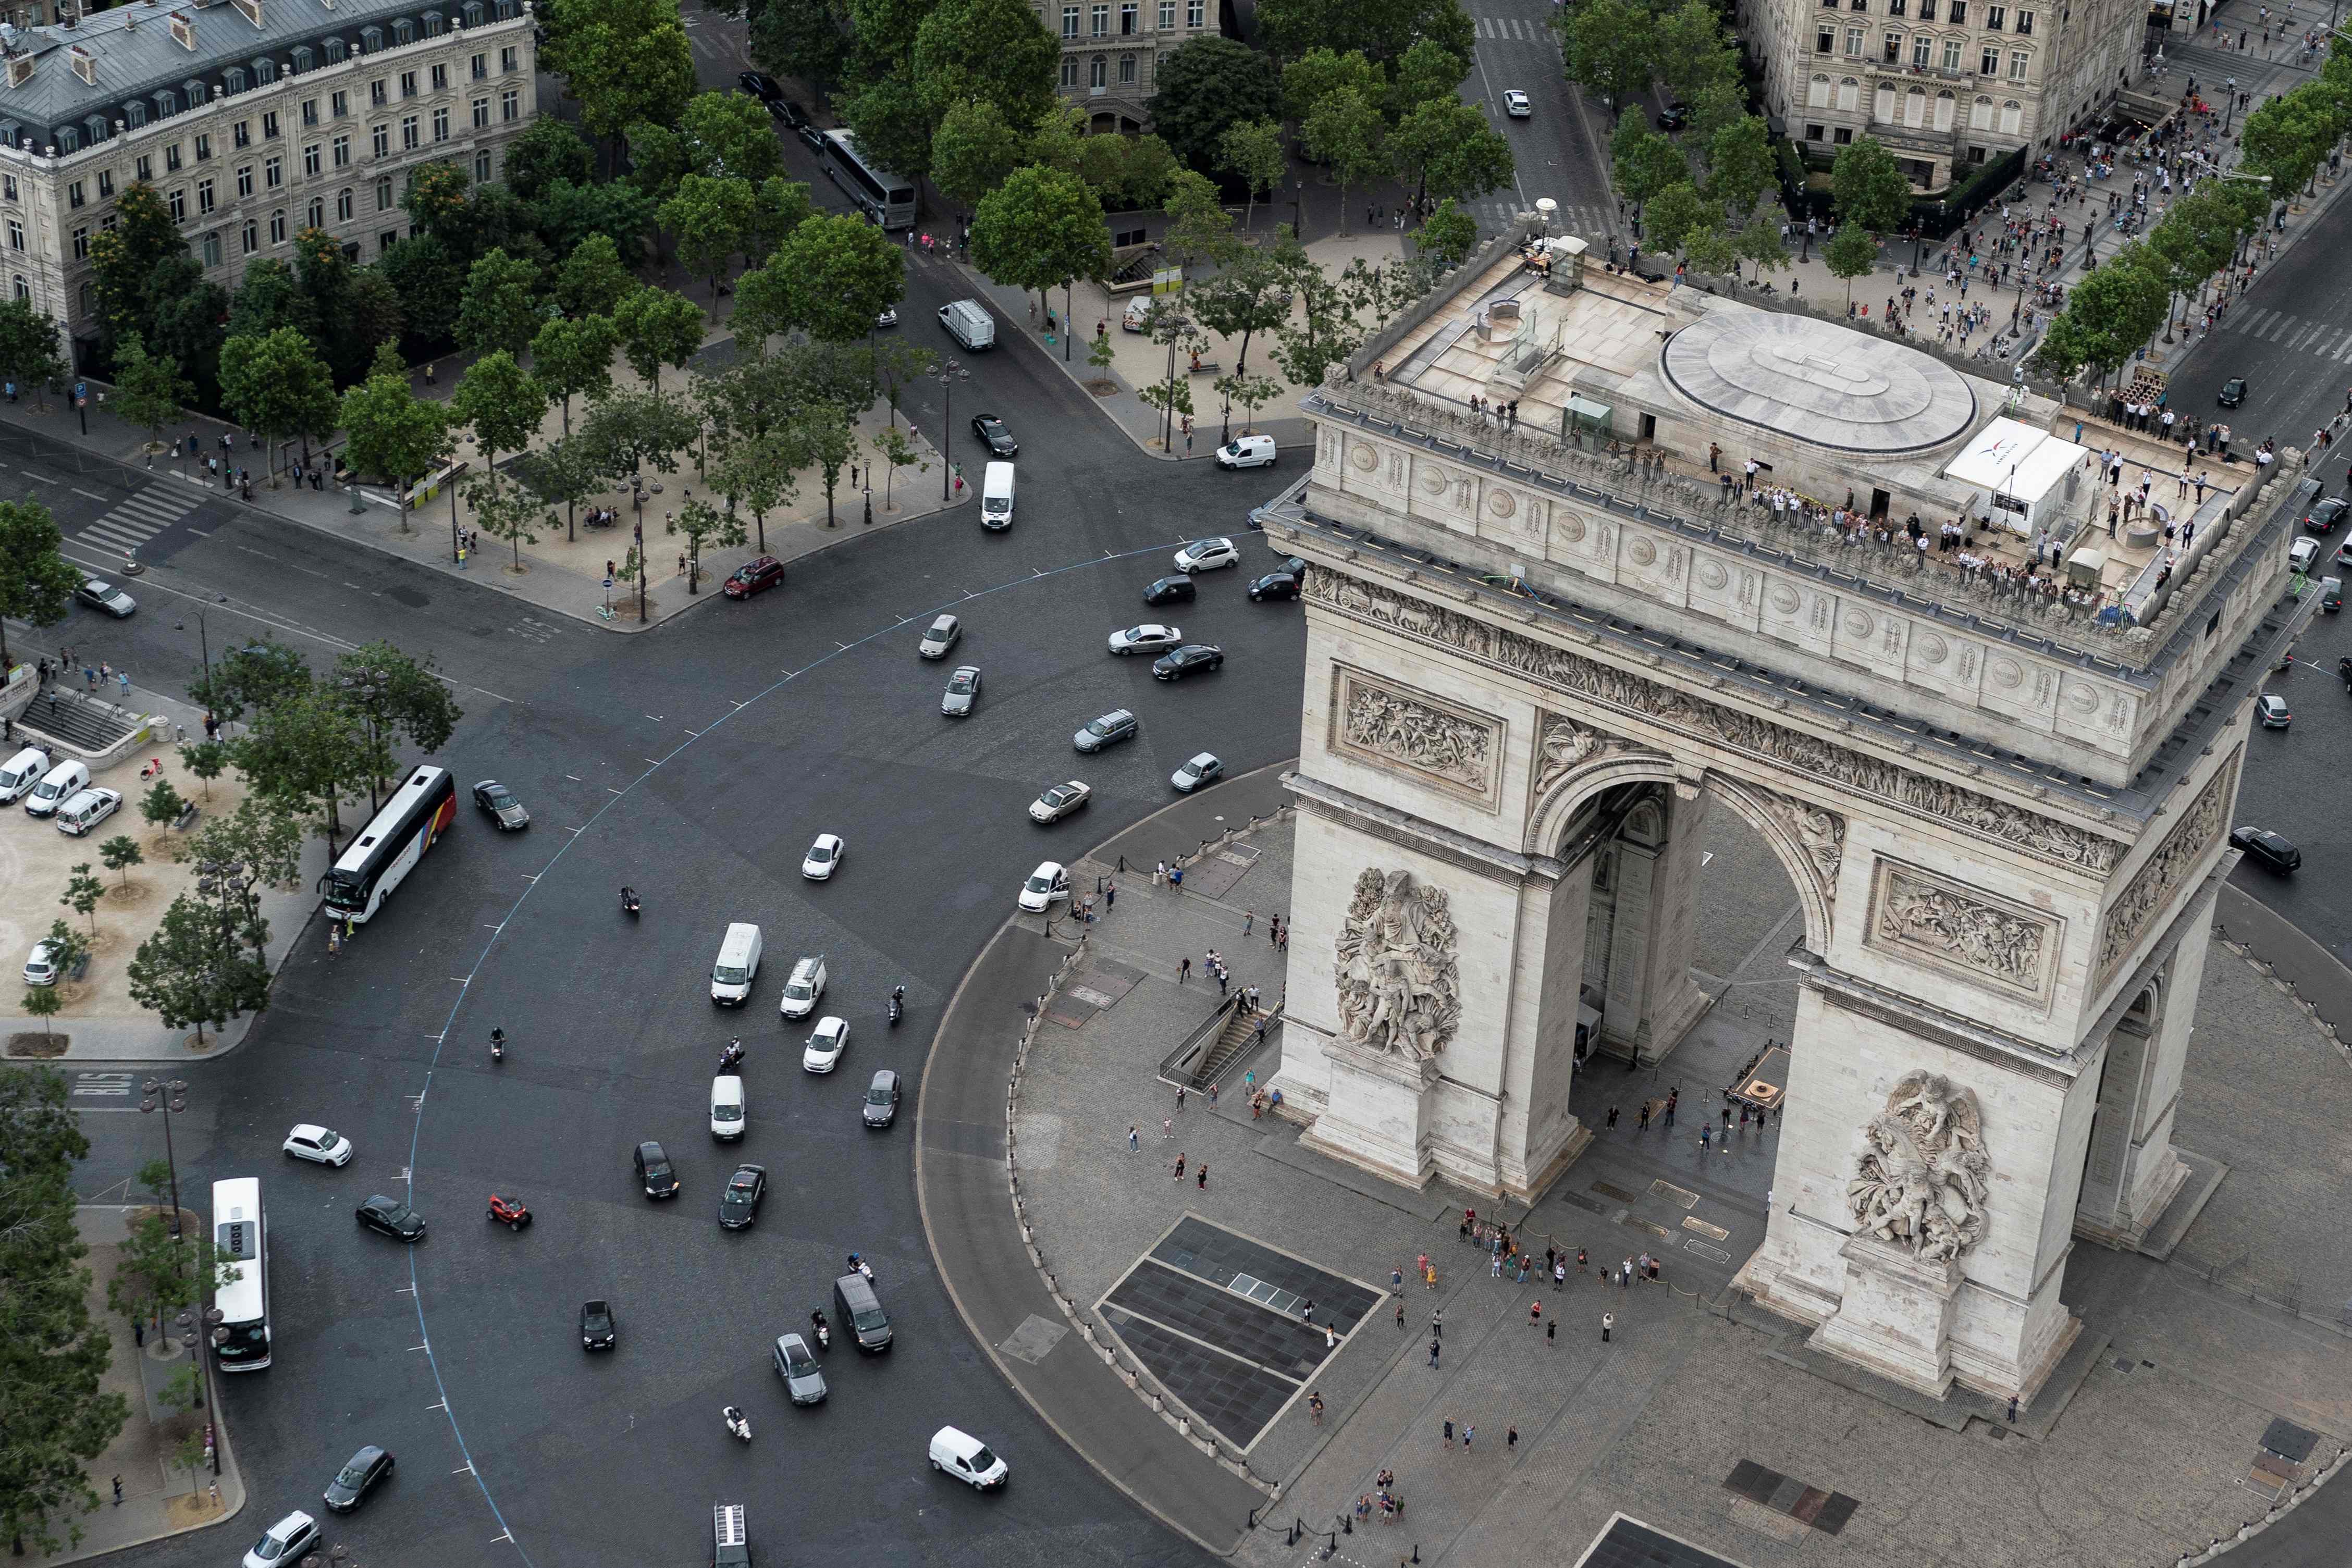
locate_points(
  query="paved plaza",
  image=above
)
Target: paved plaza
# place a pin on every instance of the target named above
(1704, 1419)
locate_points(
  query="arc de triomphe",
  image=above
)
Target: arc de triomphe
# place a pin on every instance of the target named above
(1535, 663)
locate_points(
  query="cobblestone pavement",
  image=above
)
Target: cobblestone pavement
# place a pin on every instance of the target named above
(2149, 1459)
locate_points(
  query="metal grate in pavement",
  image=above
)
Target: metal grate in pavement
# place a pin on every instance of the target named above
(1630, 1544)
(1826, 1511)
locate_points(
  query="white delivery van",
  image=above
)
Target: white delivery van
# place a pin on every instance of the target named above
(996, 496)
(727, 1107)
(968, 324)
(86, 809)
(738, 966)
(23, 771)
(58, 786)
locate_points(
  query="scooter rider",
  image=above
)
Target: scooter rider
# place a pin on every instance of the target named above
(822, 1328)
(739, 1424)
(498, 1045)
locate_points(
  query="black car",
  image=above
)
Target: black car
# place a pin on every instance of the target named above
(655, 1170)
(2266, 848)
(2233, 393)
(2326, 514)
(360, 1476)
(599, 1330)
(994, 435)
(497, 799)
(760, 86)
(1292, 566)
(1673, 117)
(1186, 659)
(1170, 590)
(814, 137)
(791, 113)
(740, 1203)
(392, 1218)
(1275, 585)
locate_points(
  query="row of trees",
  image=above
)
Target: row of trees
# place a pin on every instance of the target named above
(2115, 309)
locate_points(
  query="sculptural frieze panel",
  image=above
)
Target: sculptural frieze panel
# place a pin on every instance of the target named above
(1963, 931)
(1966, 809)
(1399, 729)
(1563, 746)
(1820, 832)
(1399, 991)
(2151, 888)
(1922, 1180)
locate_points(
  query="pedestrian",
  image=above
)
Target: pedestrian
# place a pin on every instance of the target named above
(1613, 1116)
(1315, 1407)
(1179, 1169)
(124, 676)
(428, 373)
(1184, 970)
(1674, 1098)
(1511, 1439)
(1535, 1312)
(1176, 877)
(1400, 1305)
(1110, 895)
(1429, 1277)
(1559, 1275)
(1642, 1268)
(1579, 1260)
(118, 1490)
(1626, 1275)
(212, 727)
(1222, 978)
(1167, 1129)
(1608, 1321)
(1132, 1145)
(1654, 1270)
(139, 1330)
(1642, 1118)
(1159, 873)
(1330, 1337)
(1282, 940)
(1437, 1323)
(1495, 1271)
(1552, 1334)
(1449, 1431)
(1249, 919)
(1200, 1177)
(1433, 1354)
(1704, 1134)
(1272, 930)
(1212, 1098)
(1180, 1099)
(212, 1491)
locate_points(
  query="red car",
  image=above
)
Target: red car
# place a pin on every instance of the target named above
(752, 577)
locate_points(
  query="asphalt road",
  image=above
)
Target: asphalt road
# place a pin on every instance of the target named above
(2292, 339)
(1561, 149)
(695, 762)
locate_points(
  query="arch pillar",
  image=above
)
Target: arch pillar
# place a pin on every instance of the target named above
(1651, 932)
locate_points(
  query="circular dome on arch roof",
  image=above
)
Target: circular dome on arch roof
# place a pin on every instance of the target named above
(1815, 382)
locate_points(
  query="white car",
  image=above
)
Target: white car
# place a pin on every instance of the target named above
(1059, 800)
(285, 1542)
(824, 1046)
(2304, 554)
(966, 1458)
(805, 988)
(1046, 884)
(99, 594)
(1247, 452)
(822, 856)
(41, 963)
(1197, 772)
(86, 809)
(1145, 640)
(1517, 104)
(321, 1145)
(1207, 554)
(940, 636)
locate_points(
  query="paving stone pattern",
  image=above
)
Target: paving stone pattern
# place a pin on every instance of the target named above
(2150, 1459)
(1233, 1396)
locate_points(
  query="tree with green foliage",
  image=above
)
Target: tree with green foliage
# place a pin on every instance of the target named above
(1851, 253)
(1199, 231)
(1321, 333)
(161, 805)
(563, 473)
(193, 971)
(840, 273)
(2194, 241)
(657, 327)
(266, 299)
(1040, 229)
(324, 277)
(809, 40)
(1868, 187)
(710, 218)
(1643, 162)
(30, 353)
(1760, 245)
(1127, 174)
(574, 359)
(509, 514)
(81, 896)
(1253, 152)
(995, 51)
(826, 436)
(52, 1358)
(889, 124)
(207, 760)
(1610, 46)
(1427, 71)
(2288, 136)
(148, 390)
(778, 207)
(702, 524)
(43, 1002)
(1447, 235)
(435, 202)
(1446, 148)
(393, 431)
(1100, 356)
(548, 151)
(503, 403)
(972, 151)
(184, 310)
(1346, 133)
(37, 581)
(2108, 315)
(897, 452)
(250, 679)
(161, 1270)
(1205, 86)
(1382, 29)
(263, 837)
(1740, 165)
(1308, 79)
(1693, 52)
(729, 135)
(593, 282)
(1675, 213)
(499, 311)
(126, 255)
(755, 471)
(431, 283)
(1248, 296)
(121, 852)
(623, 433)
(624, 61)
(277, 387)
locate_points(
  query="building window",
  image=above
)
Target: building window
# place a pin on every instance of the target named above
(1951, 53)
(2012, 117)
(403, 31)
(434, 25)
(482, 166)
(1816, 133)
(1959, 13)
(441, 123)
(1943, 101)
(310, 160)
(212, 250)
(376, 94)
(509, 58)
(370, 39)
(343, 206)
(335, 52)
(2025, 23)
(24, 289)
(1196, 13)
(1842, 136)
(16, 235)
(1817, 93)
(342, 149)
(481, 66)
(105, 183)
(2018, 59)
(270, 124)
(1167, 15)
(273, 171)
(204, 196)
(75, 196)
(278, 226)
(135, 111)
(339, 104)
(1854, 42)
(1923, 48)
(233, 78)
(381, 138)
(251, 235)
(1980, 115)
(142, 168)
(1099, 21)
(481, 114)
(386, 240)
(408, 141)
(1128, 18)
(408, 84)
(302, 58)
(510, 104)
(1069, 70)
(1989, 61)
(1891, 48)
(1126, 70)
(441, 79)
(1996, 17)
(310, 111)
(384, 194)
(203, 151)
(316, 216)
(1825, 40)
(9, 187)
(81, 243)
(1849, 94)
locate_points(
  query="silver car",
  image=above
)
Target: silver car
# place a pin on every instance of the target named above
(963, 691)
(1197, 772)
(1145, 639)
(942, 635)
(797, 1365)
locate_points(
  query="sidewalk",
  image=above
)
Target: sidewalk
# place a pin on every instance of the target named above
(159, 1498)
(564, 571)
(2141, 1457)
(101, 1022)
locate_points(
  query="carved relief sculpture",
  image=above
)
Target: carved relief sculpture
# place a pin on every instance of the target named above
(1566, 746)
(2151, 888)
(1822, 833)
(1921, 1176)
(1446, 745)
(1957, 931)
(1399, 991)
(1969, 809)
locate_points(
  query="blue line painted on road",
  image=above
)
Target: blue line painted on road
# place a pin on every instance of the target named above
(465, 981)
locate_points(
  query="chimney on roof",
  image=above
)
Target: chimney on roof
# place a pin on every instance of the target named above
(20, 68)
(184, 32)
(248, 9)
(84, 63)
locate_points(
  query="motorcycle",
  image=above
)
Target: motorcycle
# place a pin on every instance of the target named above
(629, 902)
(737, 1424)
(498, 1045)
(822, 1329)
(898, 1003)
(731, 1055)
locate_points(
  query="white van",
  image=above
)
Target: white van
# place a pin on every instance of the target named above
(996, 496)
(86, 809)
(727, 1107)
(968, 323)
(967, 1458)
(58, 786)
(738, 966)
(24, 771)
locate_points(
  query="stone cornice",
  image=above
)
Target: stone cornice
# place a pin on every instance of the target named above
(1809, 757)
(2011, 1052)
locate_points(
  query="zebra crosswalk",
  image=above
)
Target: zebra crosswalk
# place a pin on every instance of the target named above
(1587, 221)
(2330, 340)
(140, 518)
(1519, 27)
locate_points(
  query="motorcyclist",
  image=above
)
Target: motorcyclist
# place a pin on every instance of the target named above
(498, 1044)
(628, 898)
(822, 1328)
(737, 1423)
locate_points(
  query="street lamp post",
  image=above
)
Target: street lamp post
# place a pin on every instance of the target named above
(216, 1335)
(948, 369)
(171, 1099)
